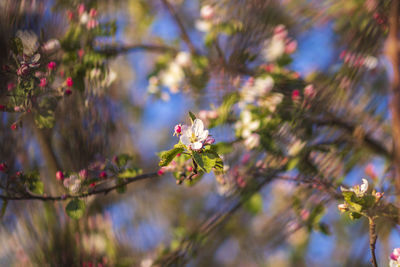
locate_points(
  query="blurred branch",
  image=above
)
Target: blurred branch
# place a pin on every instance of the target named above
(394, 105)
(184, 35)
(121, 49)
(106, 190)
(350, 128)
(372, 240)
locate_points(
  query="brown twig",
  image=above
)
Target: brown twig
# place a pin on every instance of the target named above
(105, 190)
(184, 35)
(372, 240)
(120, 49)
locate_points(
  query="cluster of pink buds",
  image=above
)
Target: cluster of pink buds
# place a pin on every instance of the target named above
(395, 258)
(3, 167)
(87, 18)
(357, 60)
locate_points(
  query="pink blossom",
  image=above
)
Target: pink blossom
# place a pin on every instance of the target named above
(51, 65)
(395, 254)
(207, 12)
(17, 109)
(161, 171)
(189, 168)
(69, 82)
(209, 140)
(280, 31)
(43, 82)
(14, 126)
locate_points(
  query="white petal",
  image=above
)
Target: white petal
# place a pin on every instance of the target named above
(197, 145)
(185, 140)
(203, 136)
(197, 127)
(364, 186)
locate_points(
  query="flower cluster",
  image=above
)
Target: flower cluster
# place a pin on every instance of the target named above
(87, 18)
(194, 137)
(279, 45)
(358, 60)
(207, 15)
(172, 76)
(395, 258)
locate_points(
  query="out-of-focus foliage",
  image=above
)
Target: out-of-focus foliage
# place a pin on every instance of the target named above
(289, 106)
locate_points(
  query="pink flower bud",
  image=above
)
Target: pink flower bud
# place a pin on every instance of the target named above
(291, 47)
(68, 92)
(81, 52)
(23, 70)
(17, 108)
(269, 68)
(81, 9)
(280, 31)
(209, 140)
(189, 168)
(295, 95)
(70, 15)
(83, 174)
(178, 129)
(59, 176)
(103, 175)
(92, 24)
(2, 107)
(14, 126)
(51, 65)
(92, 185)
(309, 91)
(3, 167)
(10, 86)
(69, 82)
(207, 12)
(43, 82)
(343, 207)
(93, 12)
(379, 195)
(160, 172)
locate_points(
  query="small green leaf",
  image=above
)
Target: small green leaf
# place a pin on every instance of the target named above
(192, 116)
(122, 188)
(167, 156)
(254, 204)
(292, 164)
(354, 215)
(75, 208)
(36, 187)
(130, 172)
(206, 160)
(123, 159)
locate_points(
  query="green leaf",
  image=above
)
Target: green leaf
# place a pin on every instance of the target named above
(354, 215)
(17, 46)
(167, 156)
(254, 204)
(123, 159)
(192, 116)
(292, 164)
(130, 172)
(206, 160)
(36, 187)
(3, 208)
(75, 208)
(122, 188)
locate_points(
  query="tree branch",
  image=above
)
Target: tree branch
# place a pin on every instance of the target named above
(372, 240)
(394, 105)
(105, 190)
(120, 49)
(184, 35)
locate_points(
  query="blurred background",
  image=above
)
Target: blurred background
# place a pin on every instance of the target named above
(134, 107)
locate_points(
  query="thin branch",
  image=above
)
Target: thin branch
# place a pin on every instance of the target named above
(372, 240)
(184, 35)
(121, 49)
(105, 190)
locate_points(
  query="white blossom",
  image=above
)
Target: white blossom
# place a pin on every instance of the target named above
(194, 136)
(29, 41)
